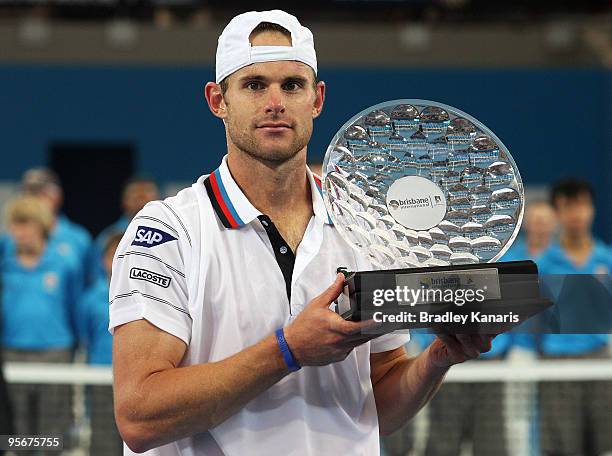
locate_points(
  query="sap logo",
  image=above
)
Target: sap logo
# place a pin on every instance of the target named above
(150, 276)
(150, 237)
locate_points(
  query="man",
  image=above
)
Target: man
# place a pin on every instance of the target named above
(539, 227)
(45, 183)
(137, 191)
(68, 239)
(220, 294)
(38, 298)
(95, 338)
(566, 267)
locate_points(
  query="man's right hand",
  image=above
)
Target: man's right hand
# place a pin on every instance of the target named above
(320, 336)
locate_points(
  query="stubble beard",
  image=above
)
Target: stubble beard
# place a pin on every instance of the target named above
(248, 144)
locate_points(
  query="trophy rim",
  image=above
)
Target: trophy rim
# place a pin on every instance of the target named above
(452, 111)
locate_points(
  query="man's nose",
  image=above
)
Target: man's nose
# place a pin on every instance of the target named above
(275, 103)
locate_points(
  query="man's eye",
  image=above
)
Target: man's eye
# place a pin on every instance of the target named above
(291, 86)
(254, 85)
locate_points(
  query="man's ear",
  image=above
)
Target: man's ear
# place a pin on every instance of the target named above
(319, 100)
(215, 100)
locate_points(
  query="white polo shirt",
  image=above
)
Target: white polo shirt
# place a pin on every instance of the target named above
(209, 268)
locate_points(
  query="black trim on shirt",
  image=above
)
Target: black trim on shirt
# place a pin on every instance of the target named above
(215, 204)
(286, 260)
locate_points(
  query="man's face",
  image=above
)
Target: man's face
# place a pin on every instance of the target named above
(137, 195)
(268, 108)
(540, 220)
(575, 214)
(27, 235)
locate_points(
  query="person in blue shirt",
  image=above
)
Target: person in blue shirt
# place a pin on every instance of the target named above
(67, 238)
(137, 191)
(538, 231)
(464, 411)
(93, 322)
(575, 416)
(474, 411)
(38, 296)
(539, 226)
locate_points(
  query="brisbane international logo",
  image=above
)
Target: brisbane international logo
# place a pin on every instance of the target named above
(411, 203)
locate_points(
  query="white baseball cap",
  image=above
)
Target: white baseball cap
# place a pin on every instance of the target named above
(234, 50)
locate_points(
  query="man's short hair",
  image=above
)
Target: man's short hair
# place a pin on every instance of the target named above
(36, 181)
(270, 27)
(28, 208)
(261, 28)
(570, 188)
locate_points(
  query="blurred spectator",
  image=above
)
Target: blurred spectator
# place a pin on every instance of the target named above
(67, 238)
(575, 416)
(539, 225)
(94, 335)
(163, 18)
(6, 410)
(137, 192)
(539, 228)
(38, 298)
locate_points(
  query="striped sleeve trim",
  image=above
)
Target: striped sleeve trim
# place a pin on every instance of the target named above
(161, 222)
(179, 220)
(148, 296)
(152, 257)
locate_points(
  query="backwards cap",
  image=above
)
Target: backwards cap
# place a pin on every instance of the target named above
(234, 50)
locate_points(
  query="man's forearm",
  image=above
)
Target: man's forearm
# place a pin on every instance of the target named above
(176, 403)
(405, 389)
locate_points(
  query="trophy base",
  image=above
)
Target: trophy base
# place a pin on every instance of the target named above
(476, 298)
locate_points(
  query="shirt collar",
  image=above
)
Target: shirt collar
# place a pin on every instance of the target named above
(233, 207)
(318, 205)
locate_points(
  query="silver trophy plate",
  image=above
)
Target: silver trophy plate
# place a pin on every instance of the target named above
(415, 183)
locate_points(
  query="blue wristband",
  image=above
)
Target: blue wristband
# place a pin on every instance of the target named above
(284, 348)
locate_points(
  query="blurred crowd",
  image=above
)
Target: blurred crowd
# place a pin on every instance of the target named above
(54, 282)
(54, 309)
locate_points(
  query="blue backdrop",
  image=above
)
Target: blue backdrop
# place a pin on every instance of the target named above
(556, 122)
